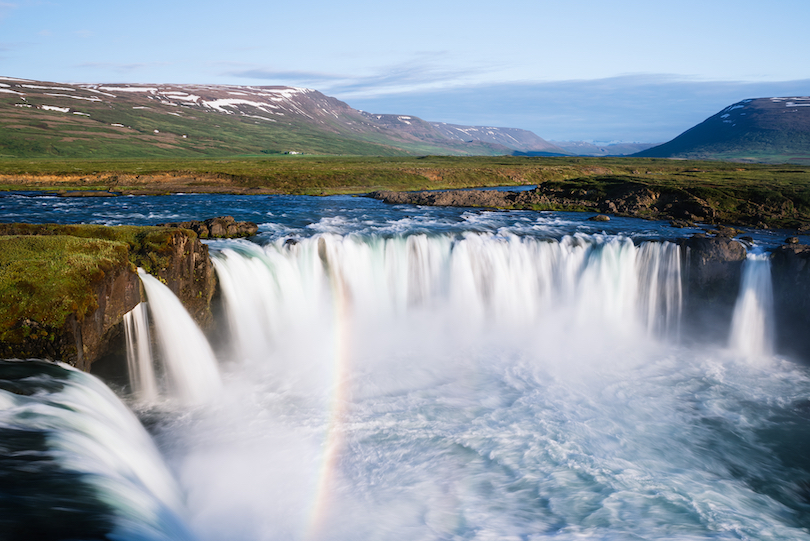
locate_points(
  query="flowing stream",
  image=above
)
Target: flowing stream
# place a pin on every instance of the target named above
(430, 376)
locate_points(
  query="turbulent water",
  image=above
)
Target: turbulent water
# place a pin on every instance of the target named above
(403, 374)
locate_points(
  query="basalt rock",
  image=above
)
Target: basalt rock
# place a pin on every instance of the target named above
(712, 269)
(221, 227)
(790, 274)
(621, 198)
(91, 331)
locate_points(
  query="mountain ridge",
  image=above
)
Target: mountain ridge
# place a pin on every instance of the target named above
(128, 120)
(775, 129)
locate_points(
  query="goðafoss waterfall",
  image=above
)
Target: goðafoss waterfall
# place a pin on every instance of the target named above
(471, 385)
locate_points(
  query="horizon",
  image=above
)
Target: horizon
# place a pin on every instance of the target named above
(583, 71)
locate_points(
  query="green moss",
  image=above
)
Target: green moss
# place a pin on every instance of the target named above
(149, 247)
(47, 278)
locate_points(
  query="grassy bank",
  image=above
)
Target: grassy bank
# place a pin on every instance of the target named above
(776, 191)
(47, 278)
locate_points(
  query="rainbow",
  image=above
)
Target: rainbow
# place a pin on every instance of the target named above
(338, 408)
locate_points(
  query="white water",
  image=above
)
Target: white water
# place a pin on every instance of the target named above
(188, 359)
(477, 387)
(140, 363)
(465, 286)
(89, 431)
(752, 324)
(481, 387)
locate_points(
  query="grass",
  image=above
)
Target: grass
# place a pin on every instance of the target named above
(741, 193)
(47, 270)
(47, 278)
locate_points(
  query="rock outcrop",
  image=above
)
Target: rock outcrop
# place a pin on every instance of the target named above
(221, 227)
(93, 327)
(621, 198)
(712, 267)
(790, 273)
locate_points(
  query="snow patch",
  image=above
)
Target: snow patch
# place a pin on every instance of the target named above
(49, 87)
(129, 89)
(74, 97)
(118, 125)
(82, 114)
(23, 105)
(6, 91)
(54, 108)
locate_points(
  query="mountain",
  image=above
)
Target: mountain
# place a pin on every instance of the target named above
(763, 129)
(584, 148)
(514, 138)
(134, 120)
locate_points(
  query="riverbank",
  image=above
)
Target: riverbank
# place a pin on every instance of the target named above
(776, 196)
(64, 289)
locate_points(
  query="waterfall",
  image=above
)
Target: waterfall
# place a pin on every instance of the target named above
(752, 324)
(77, 463)
(187, 357)
(471, 283)
(140, 363)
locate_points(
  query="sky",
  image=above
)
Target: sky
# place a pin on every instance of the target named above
(596, 70)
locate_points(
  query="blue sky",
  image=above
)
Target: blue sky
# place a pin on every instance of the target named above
(581, 69)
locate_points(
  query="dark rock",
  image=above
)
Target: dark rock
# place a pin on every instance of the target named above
(599, 218)
(189, 273)
(290, 242)
(221, 227)
(681, 223)
(792, 240)
(712, 269)
(726, 231)
(790, 274)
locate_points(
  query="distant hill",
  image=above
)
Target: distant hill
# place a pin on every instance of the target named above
(129, 120)
(583, 148)
(763, 129)
(513, 138)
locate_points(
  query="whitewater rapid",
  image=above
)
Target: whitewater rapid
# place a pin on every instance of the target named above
(483, 386)
(425, 377)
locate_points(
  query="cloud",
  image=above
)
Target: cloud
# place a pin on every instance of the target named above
(120, 68)
(6, 8)
(642, 107)
(423, 72)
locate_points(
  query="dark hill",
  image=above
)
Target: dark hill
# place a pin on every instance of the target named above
(764, 129)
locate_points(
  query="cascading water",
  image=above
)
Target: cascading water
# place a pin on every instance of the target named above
(142, 378)
(403, 373)
(76, 463)
(470, 284)
(752, 324)
(186, 354)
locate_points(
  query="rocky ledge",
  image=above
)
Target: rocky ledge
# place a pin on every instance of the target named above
(620, 197)
(221, 227)
(629, 199)
(64, 289)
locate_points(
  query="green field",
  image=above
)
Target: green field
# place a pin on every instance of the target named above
(781, 193)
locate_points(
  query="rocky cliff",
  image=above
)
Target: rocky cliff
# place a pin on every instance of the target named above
(72, 310)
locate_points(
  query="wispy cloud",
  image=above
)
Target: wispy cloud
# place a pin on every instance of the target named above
(643, 107)
(120, 68)
(6, 8)
(424, 72)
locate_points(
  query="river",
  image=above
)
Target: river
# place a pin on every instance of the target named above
(403, 373)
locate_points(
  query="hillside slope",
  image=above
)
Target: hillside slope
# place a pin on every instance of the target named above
(121, 120)
(763, 129)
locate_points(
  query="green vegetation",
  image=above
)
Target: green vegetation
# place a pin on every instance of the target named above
(132, 126)
(775, 195)
(47, 278)
(147, 247)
